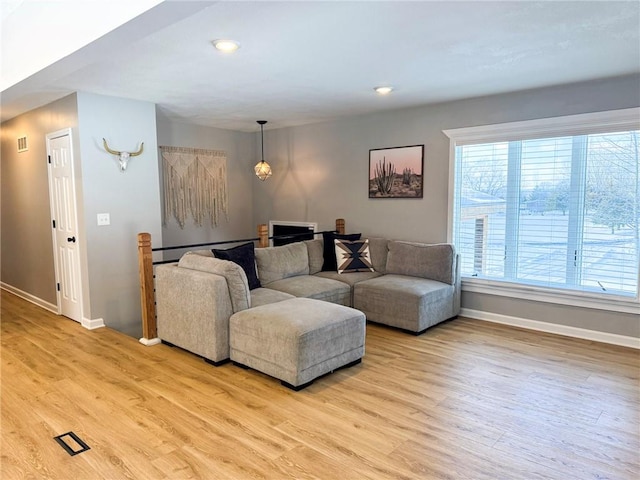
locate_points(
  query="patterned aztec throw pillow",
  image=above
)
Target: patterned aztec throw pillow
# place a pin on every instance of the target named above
(329, 248)
(353, 256)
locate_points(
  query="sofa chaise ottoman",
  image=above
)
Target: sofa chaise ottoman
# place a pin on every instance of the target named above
(297, 340)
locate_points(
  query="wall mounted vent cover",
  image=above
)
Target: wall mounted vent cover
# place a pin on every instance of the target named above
(22, 144)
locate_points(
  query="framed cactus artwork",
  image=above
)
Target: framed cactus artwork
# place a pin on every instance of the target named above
(396, 172)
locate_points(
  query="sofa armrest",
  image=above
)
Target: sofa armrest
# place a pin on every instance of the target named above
(457, 284)
(232, 272)
(193, 310)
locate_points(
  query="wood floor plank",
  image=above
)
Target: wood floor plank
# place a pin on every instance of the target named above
(466, 400)
(449, 461)
(28, 448)
(247, 425)
(304, 463)
(571, 453)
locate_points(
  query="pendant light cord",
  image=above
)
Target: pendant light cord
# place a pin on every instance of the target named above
(262, 140)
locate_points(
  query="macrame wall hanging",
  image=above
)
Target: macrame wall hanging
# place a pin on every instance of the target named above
(195, 183)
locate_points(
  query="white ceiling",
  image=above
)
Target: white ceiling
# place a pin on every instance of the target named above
(306, 61)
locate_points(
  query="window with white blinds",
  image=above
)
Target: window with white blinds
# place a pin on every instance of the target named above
(556, 211)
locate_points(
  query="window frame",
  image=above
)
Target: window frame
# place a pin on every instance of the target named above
(569, 125)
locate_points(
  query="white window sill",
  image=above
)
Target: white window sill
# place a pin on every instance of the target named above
(548, 295)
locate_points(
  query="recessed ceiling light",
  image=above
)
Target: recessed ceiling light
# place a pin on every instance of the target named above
(226, 45)
(383, 90)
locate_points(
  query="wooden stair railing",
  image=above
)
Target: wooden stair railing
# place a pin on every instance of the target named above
(263, 235)
(147, 288)
(147, 291)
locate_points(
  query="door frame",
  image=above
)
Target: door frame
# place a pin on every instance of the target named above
(49, 137)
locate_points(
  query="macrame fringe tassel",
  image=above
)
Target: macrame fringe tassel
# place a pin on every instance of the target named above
(195, 183)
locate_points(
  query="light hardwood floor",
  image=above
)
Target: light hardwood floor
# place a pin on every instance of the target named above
(466, 400)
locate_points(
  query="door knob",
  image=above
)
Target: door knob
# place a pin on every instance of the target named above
(71, 239)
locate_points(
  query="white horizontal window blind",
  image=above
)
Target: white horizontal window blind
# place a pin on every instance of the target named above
(557, 212)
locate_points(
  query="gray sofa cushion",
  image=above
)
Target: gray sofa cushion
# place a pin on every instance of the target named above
(264, 296)
(379, 249)
(193, 309)
(312, 286)
(316, 258)
(432, 261)
(232, 272)
(204, 253)
(349, 278)
(407, 302)
(297, 340)
(276, 263)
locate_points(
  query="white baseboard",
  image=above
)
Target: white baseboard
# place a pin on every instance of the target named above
(30, 298)
(565, 330)
(92, 324)
(86, 322)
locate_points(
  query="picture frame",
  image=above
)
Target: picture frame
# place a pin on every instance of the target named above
(396, 172)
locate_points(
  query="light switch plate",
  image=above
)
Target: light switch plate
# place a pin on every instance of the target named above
(104, 219)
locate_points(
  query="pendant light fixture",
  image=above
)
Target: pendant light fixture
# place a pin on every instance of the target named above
(262, 168)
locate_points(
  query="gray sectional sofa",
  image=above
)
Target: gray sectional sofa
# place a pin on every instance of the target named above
(413, 286)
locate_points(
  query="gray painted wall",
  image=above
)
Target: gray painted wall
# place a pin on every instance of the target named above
(571, 316)
(320, 173)
(241, 156)
(26, 237)
(131, 198)
(110, 288)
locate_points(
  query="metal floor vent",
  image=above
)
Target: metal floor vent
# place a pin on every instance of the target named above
(72, 443)
(22, 144)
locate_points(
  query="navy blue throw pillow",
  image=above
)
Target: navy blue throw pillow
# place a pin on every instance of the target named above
(244, 255)
(329, 248)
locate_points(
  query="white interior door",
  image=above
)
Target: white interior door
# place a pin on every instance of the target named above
(65, 224)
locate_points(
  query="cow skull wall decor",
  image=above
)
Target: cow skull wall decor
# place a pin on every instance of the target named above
(123, 157)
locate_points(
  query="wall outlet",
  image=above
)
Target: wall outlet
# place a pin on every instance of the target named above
(104, 219)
